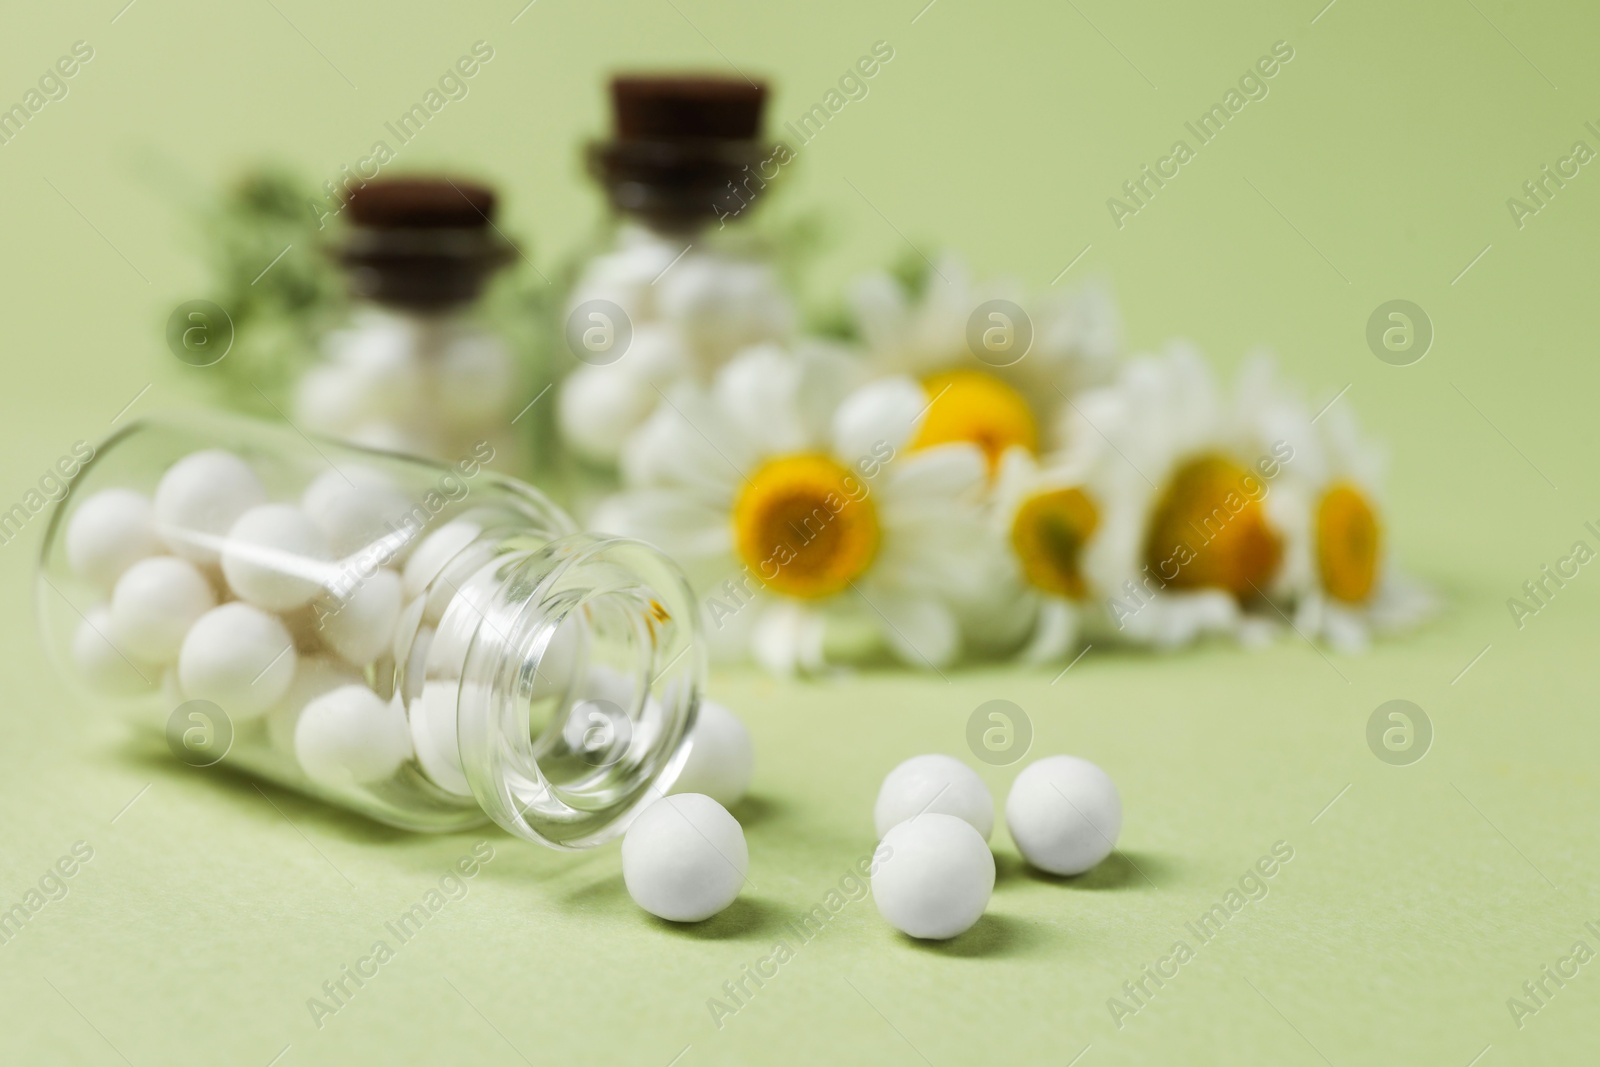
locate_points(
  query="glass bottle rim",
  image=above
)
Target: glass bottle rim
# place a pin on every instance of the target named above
(528, 759)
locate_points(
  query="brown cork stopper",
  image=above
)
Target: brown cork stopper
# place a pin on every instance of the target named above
(425, 244)
(652, 106)
(685, 148)
(422, 204)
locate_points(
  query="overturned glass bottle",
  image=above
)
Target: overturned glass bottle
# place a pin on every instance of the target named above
(429, 645)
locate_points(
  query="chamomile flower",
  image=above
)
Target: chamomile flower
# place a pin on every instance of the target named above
(686, 309)
(1000, 391)
(1337, 569)
(1043, 517)
(791, 499)
(1184, 483)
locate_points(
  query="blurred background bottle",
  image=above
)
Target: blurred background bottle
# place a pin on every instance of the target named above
(418, 367)
(679, 281)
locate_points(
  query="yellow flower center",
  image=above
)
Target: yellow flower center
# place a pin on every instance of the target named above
(1048, 535)
(969, 405)
(1210, 531)
(805, 526)
(1348, 540)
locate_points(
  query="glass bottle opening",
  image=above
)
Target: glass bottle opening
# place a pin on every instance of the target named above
(579, 683)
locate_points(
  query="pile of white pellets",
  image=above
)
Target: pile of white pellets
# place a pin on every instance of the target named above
(215, 592)
(934, 815)
(422, 385)
(682, 312)
(685, 857)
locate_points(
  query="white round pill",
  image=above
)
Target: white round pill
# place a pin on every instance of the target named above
(659, 353)
(275, 557)
(313, 676)
(350, 735)
(327, 400)
(435, 553)
(623, 275)
(416, 658)
(238, 657)
(110, 532)
(933, 783)
(384, 366)
(199, 497)
(600, 405)
(721, 757)
(441, 567)
(1064, 814)
(353, 506)
(361, 625)
(433, 725)
(934, 878)
(684, 858)
(101, 664)
(454, 584)
(724, 304)
(153, 605)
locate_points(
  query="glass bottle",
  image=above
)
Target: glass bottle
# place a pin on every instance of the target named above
(425, 644)
(417, 369)
(680, 282)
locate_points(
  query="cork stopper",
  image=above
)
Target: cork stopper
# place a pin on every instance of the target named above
(651, 106)
(685, 148)
(421, 244)
(422, 204)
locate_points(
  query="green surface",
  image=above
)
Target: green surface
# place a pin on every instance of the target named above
(1377, 168)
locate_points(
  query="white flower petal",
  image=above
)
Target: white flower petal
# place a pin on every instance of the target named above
(787, 638)
(1077, 339)
(1344, 630)
(827, 375)
(599, 407)
(877, 417)
(1172, 620)
(996, 611)
(942, 474)
(757, 393)
(1401, 602)
(688, 444)
(920, 629)
(1055, 632)
(938, 330)
(881, 310)
(724, 303)
(1257, 633)
(679, 525)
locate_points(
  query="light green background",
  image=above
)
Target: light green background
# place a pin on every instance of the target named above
(1378, 167)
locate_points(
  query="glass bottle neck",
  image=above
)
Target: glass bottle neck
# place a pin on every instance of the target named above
(634, 230)
(422, 269)
(579, 681)
(732, 237)
(428, 326)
